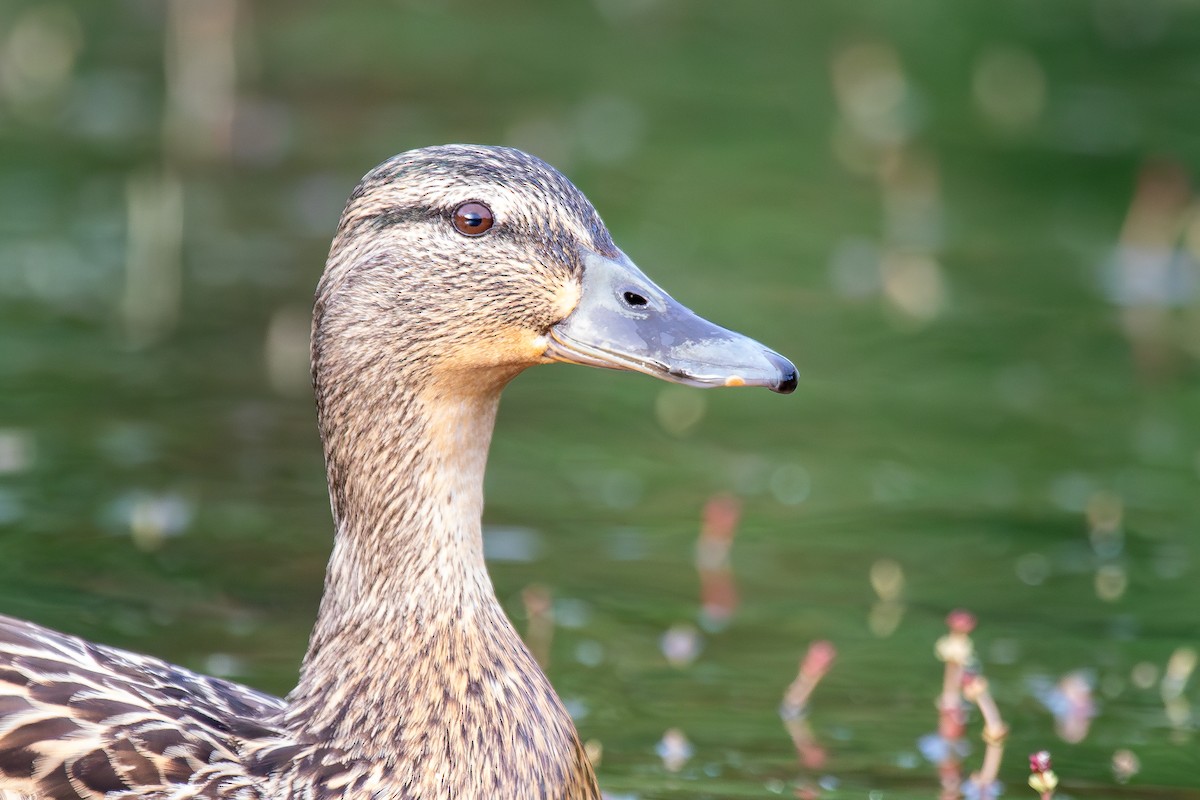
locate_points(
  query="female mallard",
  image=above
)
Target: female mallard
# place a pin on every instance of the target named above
(453, 269)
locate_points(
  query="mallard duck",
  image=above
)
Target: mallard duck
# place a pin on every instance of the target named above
(453, 269)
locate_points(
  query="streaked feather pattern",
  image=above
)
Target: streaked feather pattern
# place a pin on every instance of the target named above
(415, 685)
(81, 720)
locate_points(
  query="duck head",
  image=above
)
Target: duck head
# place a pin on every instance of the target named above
(483, 261)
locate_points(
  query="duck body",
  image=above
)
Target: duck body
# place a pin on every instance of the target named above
(453, 269)
(89, 721)
(85, 720)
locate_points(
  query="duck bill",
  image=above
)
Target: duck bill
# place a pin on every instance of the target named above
(624, 321)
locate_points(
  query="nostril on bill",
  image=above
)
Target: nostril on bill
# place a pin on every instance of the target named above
(634, 299)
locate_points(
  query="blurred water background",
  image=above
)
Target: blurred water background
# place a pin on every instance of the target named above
(973, 226)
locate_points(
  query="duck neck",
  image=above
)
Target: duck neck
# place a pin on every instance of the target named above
(412, 660)
(406, 489)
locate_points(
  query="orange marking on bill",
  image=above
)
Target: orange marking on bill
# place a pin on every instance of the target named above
(735, 380)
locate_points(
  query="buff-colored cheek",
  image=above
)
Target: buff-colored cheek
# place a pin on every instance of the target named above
(567, 298)
(565, 301)
(512, 346)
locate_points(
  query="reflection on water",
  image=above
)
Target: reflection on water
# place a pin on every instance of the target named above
(975, 230)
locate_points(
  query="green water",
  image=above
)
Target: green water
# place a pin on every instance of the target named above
(962, 400)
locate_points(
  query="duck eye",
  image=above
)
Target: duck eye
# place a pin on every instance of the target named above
(472, 219)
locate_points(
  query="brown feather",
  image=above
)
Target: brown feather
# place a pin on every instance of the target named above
(415, 684)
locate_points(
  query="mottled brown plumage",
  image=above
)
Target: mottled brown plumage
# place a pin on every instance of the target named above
(415, 685)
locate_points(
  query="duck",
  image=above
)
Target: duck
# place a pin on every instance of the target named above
(453, 269)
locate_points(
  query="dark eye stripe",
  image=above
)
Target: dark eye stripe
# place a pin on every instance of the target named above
(404, 214)
(547, 236)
